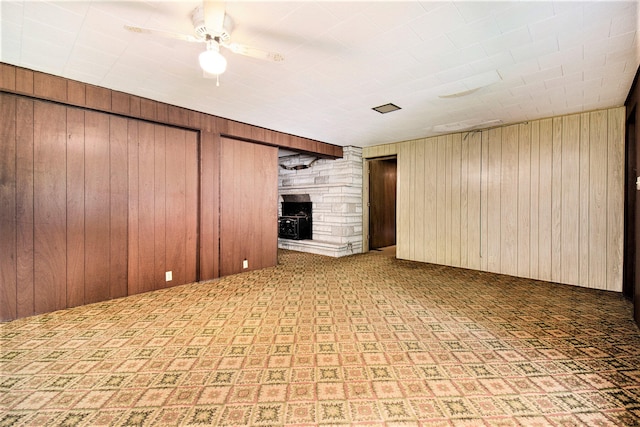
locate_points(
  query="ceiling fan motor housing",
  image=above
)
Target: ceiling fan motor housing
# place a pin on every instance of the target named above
(200, 28)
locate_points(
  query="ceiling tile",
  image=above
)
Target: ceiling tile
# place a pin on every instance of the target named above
(506, 41)
(476, 10)
(520, 14)
(436, 22)
(474, 33)
(535, 49)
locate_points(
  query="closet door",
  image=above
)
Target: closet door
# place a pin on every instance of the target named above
(163, 206)
(248, 206)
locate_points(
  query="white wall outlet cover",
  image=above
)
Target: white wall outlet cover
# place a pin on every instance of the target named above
(168, 276)
(245, 264)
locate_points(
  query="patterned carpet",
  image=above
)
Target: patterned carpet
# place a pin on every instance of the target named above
(365, 340)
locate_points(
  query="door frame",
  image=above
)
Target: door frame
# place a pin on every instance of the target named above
(365, 198)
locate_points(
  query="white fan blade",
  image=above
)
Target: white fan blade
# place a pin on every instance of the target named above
(253, 52)
(166, 34)
(214, 16)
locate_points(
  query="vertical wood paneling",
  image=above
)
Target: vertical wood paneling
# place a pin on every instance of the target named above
(413, 194)
(146, 208)
(597, 199)
(209, 197)
(570, 196)
(120, 103)
(191, 207)
(229, 251)
(160, 206)
(474, 217)
(175, 204)
(430, 195)
(49, 87)
(7, 77)
(248, 208)
(8, 247)
(484, 200)
(509, 201)
(73, 181)
(98, 98)
(441, 200)
(75, 207)
(176, 244)
(50, 235)
(544, 200)
(403, 233)
(456, 194)
(448, 149)
(24, 208)
(163, 206)
(464, 202)
(556, 201)
(97, 207)
(267, 216)
(76, 93)
(24, 81)
(118, 193)
(134, 285)
(534, 235)
(615, 197)
(420, 221)
(524, 200)
(494, 210)
(541, 199)
(583, 253)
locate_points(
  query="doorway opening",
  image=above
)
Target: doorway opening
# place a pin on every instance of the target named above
(382, 203)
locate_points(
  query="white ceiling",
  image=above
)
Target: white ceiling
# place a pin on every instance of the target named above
(540, 59)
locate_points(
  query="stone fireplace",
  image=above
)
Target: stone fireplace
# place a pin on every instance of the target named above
(334, 188)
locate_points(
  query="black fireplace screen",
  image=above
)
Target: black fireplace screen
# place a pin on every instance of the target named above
(295, 222)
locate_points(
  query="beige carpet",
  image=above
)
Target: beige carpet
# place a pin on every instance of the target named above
(360, 340)
(389, 251)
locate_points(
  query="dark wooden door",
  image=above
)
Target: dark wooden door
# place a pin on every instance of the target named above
(382, 203)
(163, 206)
(63, 209)
(248, 206)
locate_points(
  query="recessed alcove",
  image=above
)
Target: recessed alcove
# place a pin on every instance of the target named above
(334, 188)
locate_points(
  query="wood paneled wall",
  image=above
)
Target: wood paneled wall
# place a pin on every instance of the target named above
(96, 206)
(54, 88)
(542, 199)
(66, 176)
(249, 218)
(163, 206)
(63, 207)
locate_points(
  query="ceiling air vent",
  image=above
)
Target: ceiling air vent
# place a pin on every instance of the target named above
(386, 108)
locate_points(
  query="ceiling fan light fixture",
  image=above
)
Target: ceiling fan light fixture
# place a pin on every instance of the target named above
(212, 62)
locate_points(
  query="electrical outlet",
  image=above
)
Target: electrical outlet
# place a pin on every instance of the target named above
(245, 264)
(168, 276)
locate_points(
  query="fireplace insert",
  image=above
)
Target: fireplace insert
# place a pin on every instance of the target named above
(295, 222)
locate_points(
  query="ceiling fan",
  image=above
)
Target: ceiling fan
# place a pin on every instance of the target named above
(212, 27)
